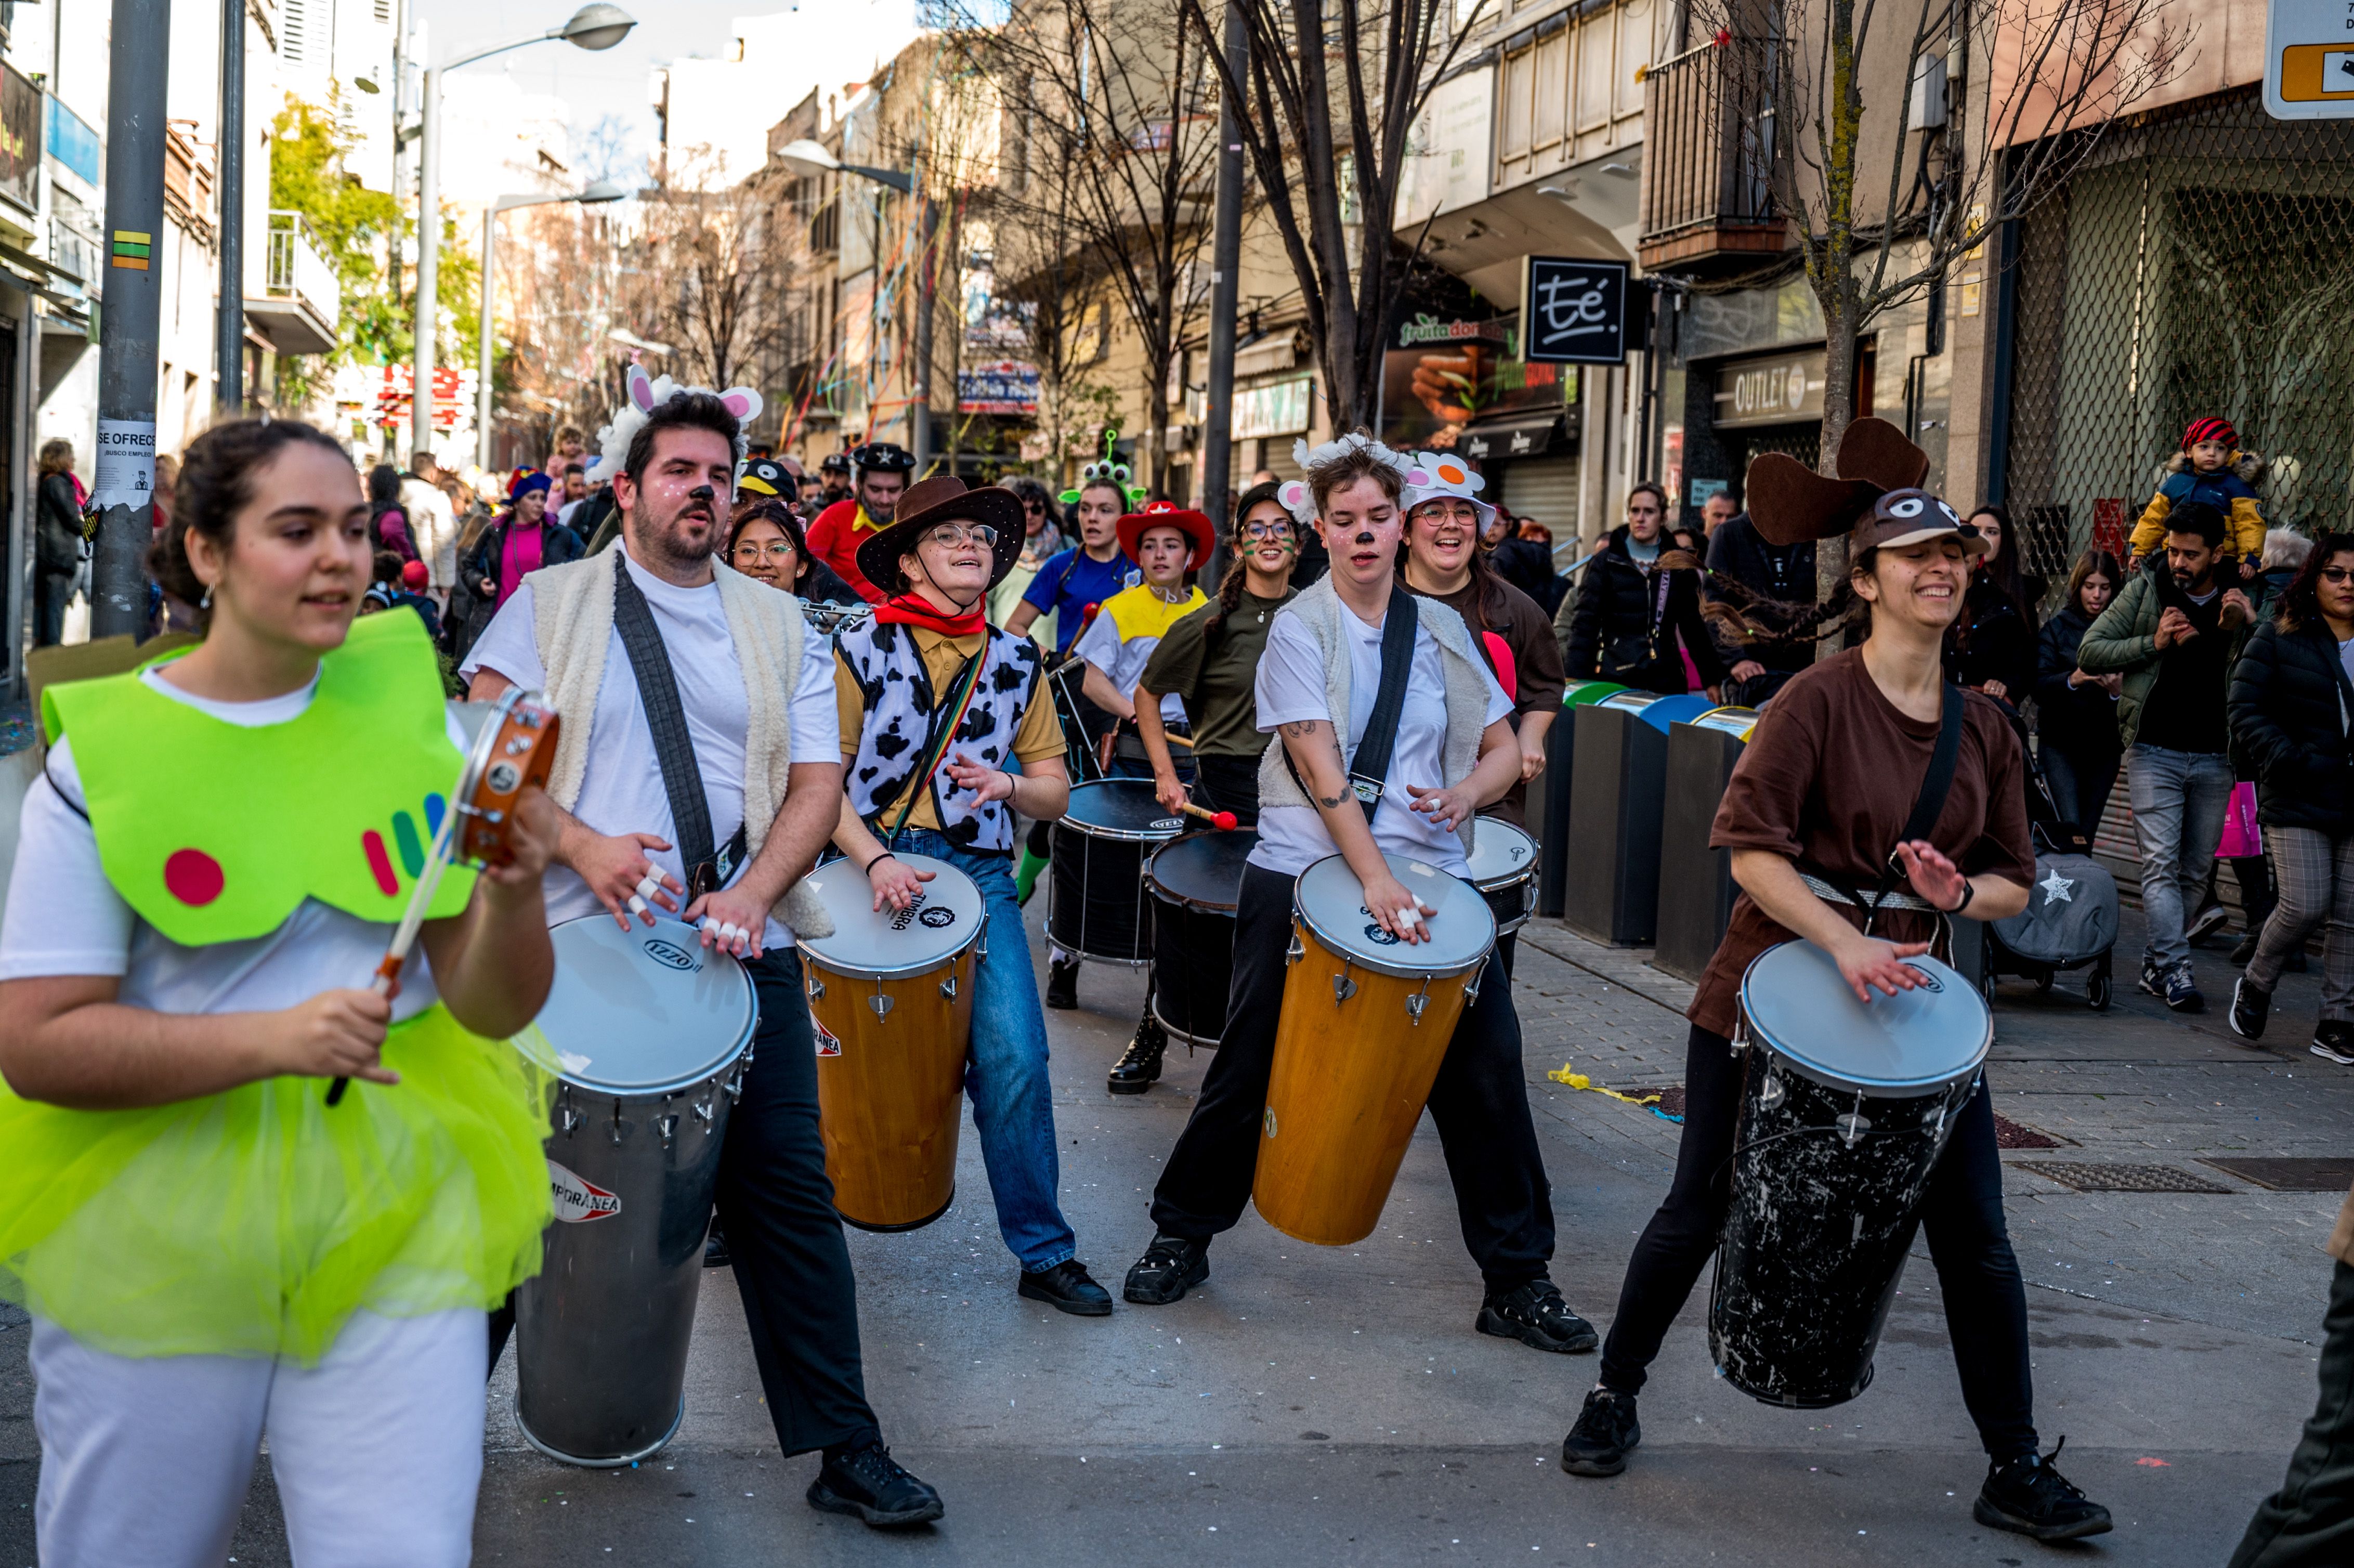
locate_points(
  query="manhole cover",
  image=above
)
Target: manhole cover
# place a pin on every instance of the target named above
(2010, 1134)
(2087, 1178)
(2324, 1175)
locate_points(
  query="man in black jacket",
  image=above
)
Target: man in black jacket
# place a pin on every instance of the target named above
(1637, 613)
(1783, 574)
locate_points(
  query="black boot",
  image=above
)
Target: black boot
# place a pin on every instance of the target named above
(2027, 1496)
(1139, 1068)
(866, 1483)
(1062, 984)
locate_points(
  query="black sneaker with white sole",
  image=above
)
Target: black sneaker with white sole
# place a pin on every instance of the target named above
(1606, 1432)
(1170, 1266)
(2182, 990)
(2206, 923)
(2153, 978)
(866, 1483)
(1535, 1315)
(2030, 1498)
(2250, 1009)
(2333, 1041)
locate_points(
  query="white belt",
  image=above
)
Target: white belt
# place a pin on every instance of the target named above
(1894, 899)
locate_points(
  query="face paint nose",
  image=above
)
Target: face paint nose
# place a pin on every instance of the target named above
(1366, 537)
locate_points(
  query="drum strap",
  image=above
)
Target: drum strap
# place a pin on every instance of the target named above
(1369, 768)
(1927, 807)
(690, 813)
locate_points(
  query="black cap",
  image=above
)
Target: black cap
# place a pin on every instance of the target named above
(835, 462)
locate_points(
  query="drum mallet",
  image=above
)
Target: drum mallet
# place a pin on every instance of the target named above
(412, 919)
(1222, 820)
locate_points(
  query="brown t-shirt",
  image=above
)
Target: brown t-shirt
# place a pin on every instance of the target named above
(1828, 778)
(1537, 676)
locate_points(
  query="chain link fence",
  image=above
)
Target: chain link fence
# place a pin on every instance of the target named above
(2200, 262)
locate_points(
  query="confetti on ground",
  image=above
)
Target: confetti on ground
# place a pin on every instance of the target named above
(1563, 1074)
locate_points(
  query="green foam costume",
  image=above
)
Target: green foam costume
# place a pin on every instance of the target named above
(256, 1221)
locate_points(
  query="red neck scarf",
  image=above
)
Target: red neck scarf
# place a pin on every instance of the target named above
(912, 610)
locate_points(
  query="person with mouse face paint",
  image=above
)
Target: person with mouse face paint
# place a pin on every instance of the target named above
(1454, 753)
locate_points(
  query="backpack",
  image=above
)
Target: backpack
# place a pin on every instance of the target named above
(2070, 914)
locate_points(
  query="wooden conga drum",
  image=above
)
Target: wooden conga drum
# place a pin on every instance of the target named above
(1366, 1022)
(890, 997)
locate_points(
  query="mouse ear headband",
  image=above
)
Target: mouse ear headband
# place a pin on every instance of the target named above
(1299, 495)
(644, 395)
(1792, 504)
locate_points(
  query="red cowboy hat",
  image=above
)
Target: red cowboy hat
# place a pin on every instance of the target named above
(1196, 528)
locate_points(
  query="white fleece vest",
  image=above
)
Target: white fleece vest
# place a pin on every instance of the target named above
(572, 622)
(898, 697)
(1318, 610)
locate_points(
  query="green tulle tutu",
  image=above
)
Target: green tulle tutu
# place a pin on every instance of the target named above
(254, 1222)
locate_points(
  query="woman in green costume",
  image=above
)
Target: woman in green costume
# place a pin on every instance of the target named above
(208, 872)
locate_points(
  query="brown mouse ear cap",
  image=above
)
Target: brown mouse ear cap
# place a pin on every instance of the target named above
(1792, 504)
(1876, 451)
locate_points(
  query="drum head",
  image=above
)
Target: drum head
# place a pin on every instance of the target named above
(1203, 870)
(1910, 1044)
(868, 945)
(1120, 809)
(646, 1011)
(1501, 854)
(1332, 901)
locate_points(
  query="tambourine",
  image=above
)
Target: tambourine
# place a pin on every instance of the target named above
(512, 748)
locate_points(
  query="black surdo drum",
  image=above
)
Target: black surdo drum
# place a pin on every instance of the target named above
(1195, 882)
(1846, 1107)
(1096, 908)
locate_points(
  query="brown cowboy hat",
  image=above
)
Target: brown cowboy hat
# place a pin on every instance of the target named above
(944, 499)
(1197, 529)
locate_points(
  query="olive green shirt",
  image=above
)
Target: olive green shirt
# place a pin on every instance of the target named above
(1218, 691)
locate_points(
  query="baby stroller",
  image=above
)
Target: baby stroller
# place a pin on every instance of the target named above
(2071, 918)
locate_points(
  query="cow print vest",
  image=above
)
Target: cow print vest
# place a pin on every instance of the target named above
(898, 699)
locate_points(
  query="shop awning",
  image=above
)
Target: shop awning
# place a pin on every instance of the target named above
(1523, 435)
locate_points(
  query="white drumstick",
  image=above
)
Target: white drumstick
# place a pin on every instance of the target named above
(404, 936)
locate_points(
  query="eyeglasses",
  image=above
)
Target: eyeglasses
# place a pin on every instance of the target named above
(2337, 575)
(1033, 506)
(955, 534)
(1268, 531)
(775, 549)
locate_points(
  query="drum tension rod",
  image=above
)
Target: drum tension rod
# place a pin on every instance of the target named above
(1343, 988)
(704, 1112)
(1417, 1001)
(948, 988)
(879, 1002)
(816, 986)
(1853, 1124)
(1295, 952)
(621, 1130)
(667, 1124)
(567, 1117)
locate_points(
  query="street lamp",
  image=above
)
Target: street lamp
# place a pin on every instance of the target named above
(597, 26)
(807, 157)
(602, 191)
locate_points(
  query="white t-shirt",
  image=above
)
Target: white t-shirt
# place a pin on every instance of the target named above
(64, 918)
(1122, 662)
(622, 790)
(1291, 690)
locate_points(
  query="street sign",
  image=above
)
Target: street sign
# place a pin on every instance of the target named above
(1573, 311)
(2309, 60)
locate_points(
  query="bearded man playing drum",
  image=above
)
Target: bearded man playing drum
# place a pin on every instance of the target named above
(1816, 816)
(929, 657)
(746, 698)
(1331, 638)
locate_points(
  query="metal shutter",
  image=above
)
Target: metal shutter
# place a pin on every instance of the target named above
(1543, 489)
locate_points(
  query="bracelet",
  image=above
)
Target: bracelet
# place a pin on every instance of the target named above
(1969, 891)
(886, 854)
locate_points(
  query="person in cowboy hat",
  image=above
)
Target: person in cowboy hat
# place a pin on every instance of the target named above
(947, 732)
(1168, 544)
(842, 530)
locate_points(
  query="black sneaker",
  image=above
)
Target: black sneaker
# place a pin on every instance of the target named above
(1606, 1432)
(2153, 978)
(1066, 1288)
(1062, 985)
(867, 1483)
(2029, 1497)
(1139, 1068)
(1170, 1266)
(2206, 923)
(2181, 990)
(2333, 1041)
(1536, 1315)
(2250, 1009)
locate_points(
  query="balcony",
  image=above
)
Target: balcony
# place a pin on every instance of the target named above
(1708, 135)
(301, 301)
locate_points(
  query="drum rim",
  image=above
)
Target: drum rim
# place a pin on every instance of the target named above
(1120, 836)
(1524, 874)
(1167, 894)
(1915, 1088)
(667, 1087)
(813, 954)
(1384, 967)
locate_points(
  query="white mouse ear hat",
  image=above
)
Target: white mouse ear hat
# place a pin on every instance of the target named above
(1299, 495)
(1430, 475)
(645, 395)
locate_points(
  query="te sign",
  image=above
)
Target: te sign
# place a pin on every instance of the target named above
(1572, 311)
(2309, 60)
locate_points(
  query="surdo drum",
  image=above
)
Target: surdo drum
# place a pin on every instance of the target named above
(1845, 1110)
(891, 1004)
(1096, 906)
(1366, 1021)
(1195, 882)
(652, 1033)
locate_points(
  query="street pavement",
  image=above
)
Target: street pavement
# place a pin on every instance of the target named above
(1333, 1404)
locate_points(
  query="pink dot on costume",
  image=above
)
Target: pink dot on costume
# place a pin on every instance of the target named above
(192, 878)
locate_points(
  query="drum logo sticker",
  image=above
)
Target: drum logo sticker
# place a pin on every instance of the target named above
(938, 917)
(668, 953)
(579, 1200)
(1166, 824)
(829, 1043)
(1929, 982)
(914, 911)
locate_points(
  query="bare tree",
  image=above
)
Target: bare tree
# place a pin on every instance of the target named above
(1328, 150)
(712, 275)
(1871, 154)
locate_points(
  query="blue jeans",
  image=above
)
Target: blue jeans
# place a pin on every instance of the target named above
(2178, 800)
(1012, 1104)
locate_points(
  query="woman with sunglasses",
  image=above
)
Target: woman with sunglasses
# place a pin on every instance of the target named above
(1041, 540)
(766, 542)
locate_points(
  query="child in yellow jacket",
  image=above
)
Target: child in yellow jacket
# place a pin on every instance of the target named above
(2209, 468)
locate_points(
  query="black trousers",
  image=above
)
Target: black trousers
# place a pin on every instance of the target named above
(1480, 1101)
(1228, 784)
(1961, 1214)
(776, 1205)
(2309, 1522)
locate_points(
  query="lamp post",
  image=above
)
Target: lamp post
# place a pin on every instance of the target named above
(594, 27)
(602, 191)
(808, 157)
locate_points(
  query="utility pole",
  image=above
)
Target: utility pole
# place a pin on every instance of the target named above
(1225, 281)
(429, 265)
(920, 402)
(228, 342)
(128, 327)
